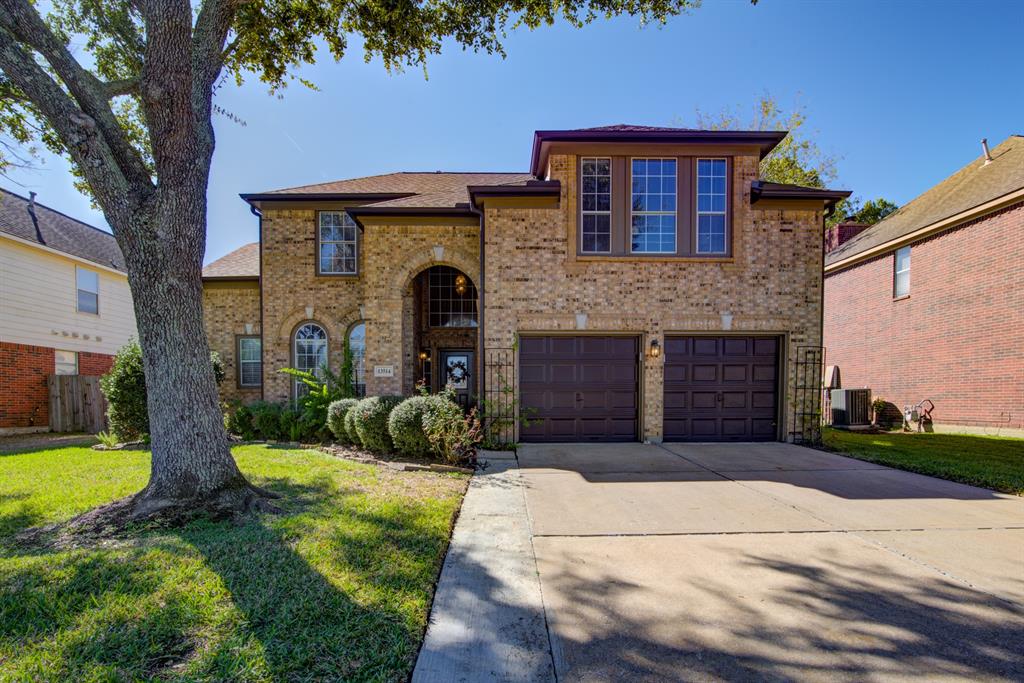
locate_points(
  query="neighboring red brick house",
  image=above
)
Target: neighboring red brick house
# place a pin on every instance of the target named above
(65, 306)
(927, 303)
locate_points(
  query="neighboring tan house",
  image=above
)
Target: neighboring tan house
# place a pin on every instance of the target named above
(929, 302)
(65, 306)
(637, 283)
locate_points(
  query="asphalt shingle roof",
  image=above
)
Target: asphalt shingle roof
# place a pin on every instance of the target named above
(241, 263)
(58, 231)
(971, 186)
(438, 188)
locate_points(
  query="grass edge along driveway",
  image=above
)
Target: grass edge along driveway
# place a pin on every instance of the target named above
(338, 587)
(988, 461)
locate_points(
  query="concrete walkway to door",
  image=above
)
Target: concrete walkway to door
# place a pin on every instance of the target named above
(759, 561)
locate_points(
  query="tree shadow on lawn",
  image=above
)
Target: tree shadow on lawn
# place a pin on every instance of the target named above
(290, 600)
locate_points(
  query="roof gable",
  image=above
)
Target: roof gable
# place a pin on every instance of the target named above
(240, 264)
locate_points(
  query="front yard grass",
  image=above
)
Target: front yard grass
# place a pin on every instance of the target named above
(989, 461)
(337, 588)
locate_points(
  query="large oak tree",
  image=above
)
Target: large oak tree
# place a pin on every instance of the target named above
(130, 106)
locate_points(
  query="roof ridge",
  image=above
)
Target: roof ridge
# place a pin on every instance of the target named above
(59, 212)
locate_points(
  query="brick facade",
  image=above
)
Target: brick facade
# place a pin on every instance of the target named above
(23, 373)
(958, 339)
(228, 307)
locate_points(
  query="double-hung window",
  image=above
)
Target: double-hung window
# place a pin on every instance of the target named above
(65, 362)
(711, 206)
(901, 273)
(653, 206)
(250, 365)
(596, 202)
(337, 243)
(88, 284)
(309, 353)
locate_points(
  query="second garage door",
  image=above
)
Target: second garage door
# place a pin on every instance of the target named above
(581, 388)
(721, 388)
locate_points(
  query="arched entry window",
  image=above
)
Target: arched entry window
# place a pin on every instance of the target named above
(357, 344)
(310, 353)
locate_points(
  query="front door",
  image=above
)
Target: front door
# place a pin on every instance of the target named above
(457, 371)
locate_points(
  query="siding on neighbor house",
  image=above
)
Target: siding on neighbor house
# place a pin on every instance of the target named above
(958, 339)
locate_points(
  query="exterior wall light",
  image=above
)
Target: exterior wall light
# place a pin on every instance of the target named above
(460, 284)
(424, 354)
(655, 348)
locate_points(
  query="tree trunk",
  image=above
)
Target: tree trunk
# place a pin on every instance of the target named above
(192, 468)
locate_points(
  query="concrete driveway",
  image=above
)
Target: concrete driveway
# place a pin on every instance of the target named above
(770, 561)
(727, 562)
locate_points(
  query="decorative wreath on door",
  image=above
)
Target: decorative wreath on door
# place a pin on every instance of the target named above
(457, 372)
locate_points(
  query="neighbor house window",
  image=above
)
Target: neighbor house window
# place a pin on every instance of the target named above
(596, 203)
(901, 273)
(338, 245)
(310, 353)
(357, 345)
(711, 206)
(88, 284)
(250, 363)
(653, 206)
(65, 363)
(452, 298)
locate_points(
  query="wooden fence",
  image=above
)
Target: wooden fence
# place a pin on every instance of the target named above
(77, 404)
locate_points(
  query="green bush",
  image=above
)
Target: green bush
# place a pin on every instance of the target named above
(350, 426)
(405, 426)
(452, 434)
(336, 418)
(239, 420)
(125, 390)
(372, 422)
(266, 420)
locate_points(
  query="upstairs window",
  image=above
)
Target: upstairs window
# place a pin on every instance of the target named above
(337, 243)
(310, 352)
(596, 203)
(901, 273)
(653, 206)
(88, 284)
(250, 362)
(711, 206)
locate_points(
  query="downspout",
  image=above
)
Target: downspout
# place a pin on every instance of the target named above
(480, 351)
(259, 236)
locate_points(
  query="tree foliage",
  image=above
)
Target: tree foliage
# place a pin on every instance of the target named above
(871, 211)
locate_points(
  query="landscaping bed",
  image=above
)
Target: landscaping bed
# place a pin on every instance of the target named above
(989, 461)
(338, 587)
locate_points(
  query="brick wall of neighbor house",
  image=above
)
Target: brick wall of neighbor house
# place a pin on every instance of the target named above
(227, 308)
(96, 364)
(772, 285)
(390, 256)
(23, 373)
(958, 339)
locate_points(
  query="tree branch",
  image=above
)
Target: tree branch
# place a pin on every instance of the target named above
(23, 23)
(125, 86)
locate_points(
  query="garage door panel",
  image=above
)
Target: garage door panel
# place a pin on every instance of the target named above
(587, 392)
(720, 388)
(531, 372)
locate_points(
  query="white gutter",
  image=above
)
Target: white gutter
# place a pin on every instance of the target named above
(938, 226)
(58, 252)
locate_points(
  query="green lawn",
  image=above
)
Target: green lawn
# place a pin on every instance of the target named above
(989, 461)
(337, 588)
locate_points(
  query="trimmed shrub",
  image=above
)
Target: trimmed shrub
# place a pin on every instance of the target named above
(350, 425)
(405, 426)
(336, 418)
(451, 433)
(372, 422)
(125, 390)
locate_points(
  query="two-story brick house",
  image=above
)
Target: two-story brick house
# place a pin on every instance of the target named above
(637, 283)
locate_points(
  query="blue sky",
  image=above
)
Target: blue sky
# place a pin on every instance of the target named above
(900, 91)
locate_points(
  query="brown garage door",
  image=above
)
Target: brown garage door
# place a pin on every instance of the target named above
(721, 388)
(579, 388)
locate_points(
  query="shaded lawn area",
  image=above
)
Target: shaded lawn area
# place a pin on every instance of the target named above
(990, 461)
(337, 588)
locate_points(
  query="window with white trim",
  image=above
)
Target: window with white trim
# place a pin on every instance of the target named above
(653, 206)
(250, 362)
(357, 345)
(87, 283)
(596, 203)
(712, 193)
(310, 353)
(65, 362)
(901, 273)
(337, 236)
